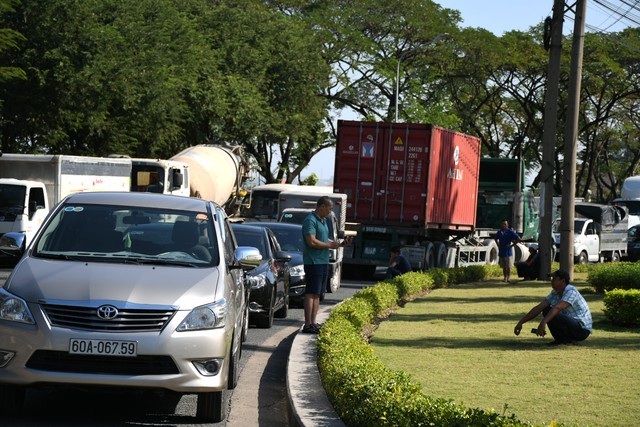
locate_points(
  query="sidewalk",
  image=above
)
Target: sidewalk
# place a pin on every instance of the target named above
(310, 405)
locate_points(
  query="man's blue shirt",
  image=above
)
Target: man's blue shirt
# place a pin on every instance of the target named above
(578, 308)
(505, 238)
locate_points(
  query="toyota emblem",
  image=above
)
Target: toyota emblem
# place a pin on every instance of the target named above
(107, 312)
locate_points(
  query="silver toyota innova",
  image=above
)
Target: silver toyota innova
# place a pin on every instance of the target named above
(128, 290)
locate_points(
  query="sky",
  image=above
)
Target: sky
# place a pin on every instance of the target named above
(498, 17)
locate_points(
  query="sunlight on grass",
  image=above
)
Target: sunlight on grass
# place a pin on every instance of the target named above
(458, 343)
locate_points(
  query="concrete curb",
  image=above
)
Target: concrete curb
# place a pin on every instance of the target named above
(310, 406)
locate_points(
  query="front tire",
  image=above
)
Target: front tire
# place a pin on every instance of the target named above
(334, 281)
(212, 406)
(582, 258)
(284, 310)
(266, 321)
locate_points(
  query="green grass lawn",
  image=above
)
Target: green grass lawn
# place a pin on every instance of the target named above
(458, 343)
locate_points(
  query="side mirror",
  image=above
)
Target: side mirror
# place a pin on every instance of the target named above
(283, 256)
(248, 257)
(12, 247)
(177, 179)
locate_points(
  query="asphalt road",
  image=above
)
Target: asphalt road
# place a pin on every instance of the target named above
(260, 399)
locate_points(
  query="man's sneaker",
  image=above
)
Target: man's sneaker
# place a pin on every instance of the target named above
(318, 325)
(309, 329)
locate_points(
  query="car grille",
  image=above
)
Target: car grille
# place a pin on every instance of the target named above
(60, 361)
(127, 320)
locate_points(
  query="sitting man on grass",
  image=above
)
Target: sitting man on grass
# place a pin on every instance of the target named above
(564, 310)
(398, 263)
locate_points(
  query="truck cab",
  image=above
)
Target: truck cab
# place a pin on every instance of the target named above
(159, 176)
(23, 206)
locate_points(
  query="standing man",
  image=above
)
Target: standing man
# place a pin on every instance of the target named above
(564, 310)
(506, 238)
(315, 255)
(398, 263)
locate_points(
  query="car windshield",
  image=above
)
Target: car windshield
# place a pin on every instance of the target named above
(129, 234)
(290, 240)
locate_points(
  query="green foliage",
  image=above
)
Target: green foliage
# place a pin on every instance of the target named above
(312, 179)
(622, 307)
(618, 275)
(412, 283)
(366, 393)
(381, 297)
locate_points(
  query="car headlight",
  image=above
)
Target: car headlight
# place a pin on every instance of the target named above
(257, 282)
(14, 309)
(208, 316)
(297, 270)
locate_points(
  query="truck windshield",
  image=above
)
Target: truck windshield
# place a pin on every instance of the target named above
(128, 234)
(12, 199)
(147, 178)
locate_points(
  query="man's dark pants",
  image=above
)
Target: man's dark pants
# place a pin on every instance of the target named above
(565, 329)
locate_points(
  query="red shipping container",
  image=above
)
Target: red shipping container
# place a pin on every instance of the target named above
(410, 175)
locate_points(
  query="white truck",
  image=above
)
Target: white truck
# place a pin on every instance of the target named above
(294, 206)
(160, 176)
(600, 233)
(32, 184)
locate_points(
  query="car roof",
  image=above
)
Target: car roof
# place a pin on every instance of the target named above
(148, 200)
(275, 225)
(246, 227)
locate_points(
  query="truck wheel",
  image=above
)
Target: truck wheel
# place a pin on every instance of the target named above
(429, 256)
(615, 256)
(441, 254)
(492, 252)
(334, 281)
(582, 258)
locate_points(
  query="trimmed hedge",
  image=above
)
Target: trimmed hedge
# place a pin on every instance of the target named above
(622, 307)
(614, 275)
(362, 390)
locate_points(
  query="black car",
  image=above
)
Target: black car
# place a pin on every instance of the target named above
(633, 243)
(290, 238)
(270, 280)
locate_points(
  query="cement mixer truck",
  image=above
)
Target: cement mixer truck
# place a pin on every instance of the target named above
(216, 173)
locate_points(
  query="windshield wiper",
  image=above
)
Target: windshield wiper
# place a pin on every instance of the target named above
(66, 257)
(157, 261)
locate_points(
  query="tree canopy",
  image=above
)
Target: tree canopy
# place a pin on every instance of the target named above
(150, 77)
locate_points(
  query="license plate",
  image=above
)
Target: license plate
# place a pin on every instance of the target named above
(103, 347)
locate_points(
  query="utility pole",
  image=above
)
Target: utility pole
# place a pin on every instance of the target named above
(570, 139)
(549, 141)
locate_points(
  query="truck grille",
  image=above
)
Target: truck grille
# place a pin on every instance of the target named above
(60, 361)
(127, 320)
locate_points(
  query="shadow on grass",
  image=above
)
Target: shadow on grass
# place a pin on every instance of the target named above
(510, 344)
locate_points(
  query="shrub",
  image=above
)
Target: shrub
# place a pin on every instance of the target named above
(622, 307)
(381, 297)
(366, 393)
(616, 275)
(412, 283)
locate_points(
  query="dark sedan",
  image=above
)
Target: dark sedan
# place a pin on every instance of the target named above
(290, 238)
(633, 243)
(270, 280)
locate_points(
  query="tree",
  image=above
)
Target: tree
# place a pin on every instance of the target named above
(9, 40)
